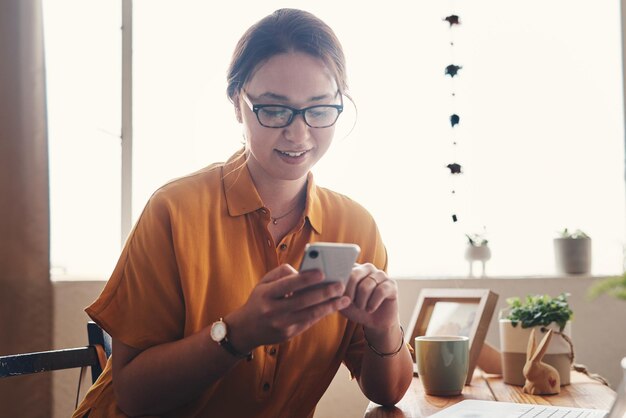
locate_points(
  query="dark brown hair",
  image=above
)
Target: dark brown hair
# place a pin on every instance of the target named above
(285, 30)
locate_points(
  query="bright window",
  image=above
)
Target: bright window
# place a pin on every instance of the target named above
(83, 65)
(541, 138)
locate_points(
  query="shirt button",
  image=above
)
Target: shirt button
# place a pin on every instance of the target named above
(266, 386)
(273, 351)
(283, 247)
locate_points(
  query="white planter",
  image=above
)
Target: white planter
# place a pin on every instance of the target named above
(513, 344)
(480, 253)
(572, 255)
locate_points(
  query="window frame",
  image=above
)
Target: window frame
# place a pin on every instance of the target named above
(127, 114)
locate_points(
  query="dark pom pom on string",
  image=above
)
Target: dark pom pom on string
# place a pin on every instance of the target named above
(452, 20)
(452, 70)
(454, 168)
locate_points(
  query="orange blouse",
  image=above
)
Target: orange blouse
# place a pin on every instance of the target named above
(195, 254)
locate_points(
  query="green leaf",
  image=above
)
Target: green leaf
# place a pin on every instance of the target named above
(540, 310)
(613, 286)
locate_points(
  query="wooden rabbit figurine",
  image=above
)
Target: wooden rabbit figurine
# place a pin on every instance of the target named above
(541, 378)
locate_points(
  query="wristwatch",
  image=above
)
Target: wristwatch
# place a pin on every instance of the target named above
(219, 334)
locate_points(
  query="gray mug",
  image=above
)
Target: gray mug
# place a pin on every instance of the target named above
(442, 363)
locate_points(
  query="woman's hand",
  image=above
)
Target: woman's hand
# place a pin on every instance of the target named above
(386, 369)
(374, 298)
(283, 305)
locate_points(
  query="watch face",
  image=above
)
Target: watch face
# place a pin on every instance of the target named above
(218, 331)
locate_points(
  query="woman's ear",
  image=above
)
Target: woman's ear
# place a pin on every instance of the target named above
(237, 108)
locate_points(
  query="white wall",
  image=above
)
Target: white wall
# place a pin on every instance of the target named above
(70, 330)
(599, 334)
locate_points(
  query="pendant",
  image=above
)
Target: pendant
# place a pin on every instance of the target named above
(275, 221)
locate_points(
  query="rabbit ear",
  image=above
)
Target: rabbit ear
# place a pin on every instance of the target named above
(530, 348)
(543, 347)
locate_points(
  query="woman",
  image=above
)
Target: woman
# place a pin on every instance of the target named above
(207, 313)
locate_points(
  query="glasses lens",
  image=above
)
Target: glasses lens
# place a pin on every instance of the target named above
(274, 116)
(321, 116)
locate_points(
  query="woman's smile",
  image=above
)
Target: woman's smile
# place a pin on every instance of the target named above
(293, 157)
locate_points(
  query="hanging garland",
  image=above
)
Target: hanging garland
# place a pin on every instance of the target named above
(477, 249)
(452, 71)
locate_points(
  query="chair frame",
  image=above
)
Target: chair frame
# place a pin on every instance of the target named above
(94, 355)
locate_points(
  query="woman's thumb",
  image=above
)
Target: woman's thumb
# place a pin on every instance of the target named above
(278, 272)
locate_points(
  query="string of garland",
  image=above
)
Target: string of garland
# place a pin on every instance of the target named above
(452, 71)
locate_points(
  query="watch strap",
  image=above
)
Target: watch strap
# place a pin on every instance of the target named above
(227, 345)
(232, 350)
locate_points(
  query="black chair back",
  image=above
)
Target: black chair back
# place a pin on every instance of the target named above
(94, 355)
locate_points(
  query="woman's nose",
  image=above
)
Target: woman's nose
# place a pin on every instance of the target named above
(297, 130)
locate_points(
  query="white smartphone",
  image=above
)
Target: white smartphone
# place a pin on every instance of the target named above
(335, 260)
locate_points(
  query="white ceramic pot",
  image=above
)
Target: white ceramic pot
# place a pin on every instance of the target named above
(480, 253)
(572, 255)
(513, 345)
(477, 253)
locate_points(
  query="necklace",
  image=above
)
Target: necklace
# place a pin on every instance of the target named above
(278, 218)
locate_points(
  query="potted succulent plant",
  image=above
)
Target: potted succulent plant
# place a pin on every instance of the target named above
(572, 252)
(541, 312)
(477, 250)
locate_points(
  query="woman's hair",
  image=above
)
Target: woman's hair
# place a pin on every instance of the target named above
(285, 30)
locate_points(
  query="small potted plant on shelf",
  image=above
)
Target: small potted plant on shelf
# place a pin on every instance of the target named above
(542, 313)
(477, 250)
(572, 252)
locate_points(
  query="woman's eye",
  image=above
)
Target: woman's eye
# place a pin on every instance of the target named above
(276, 112)
(318, 112)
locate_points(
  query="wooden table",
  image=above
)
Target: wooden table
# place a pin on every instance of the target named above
(583, 392)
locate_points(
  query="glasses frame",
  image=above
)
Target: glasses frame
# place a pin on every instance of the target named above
(294, 112)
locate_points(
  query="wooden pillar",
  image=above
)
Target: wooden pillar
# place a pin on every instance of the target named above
(25, 288)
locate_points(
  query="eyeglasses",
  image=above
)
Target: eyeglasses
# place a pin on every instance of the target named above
(279, 116)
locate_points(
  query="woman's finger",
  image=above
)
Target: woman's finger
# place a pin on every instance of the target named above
(386, 290)
(359, 272)
(288, 285)
(364, 290)
(278, 273)
(312, 296)
(309, 316)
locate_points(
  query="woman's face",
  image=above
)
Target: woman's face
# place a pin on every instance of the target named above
(297, 80)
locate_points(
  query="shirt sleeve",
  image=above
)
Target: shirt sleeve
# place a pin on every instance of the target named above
(142, 303)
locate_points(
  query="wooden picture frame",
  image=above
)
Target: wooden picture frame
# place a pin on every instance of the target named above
(454, 312)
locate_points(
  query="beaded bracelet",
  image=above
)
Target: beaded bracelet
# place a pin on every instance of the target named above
(393, 353)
